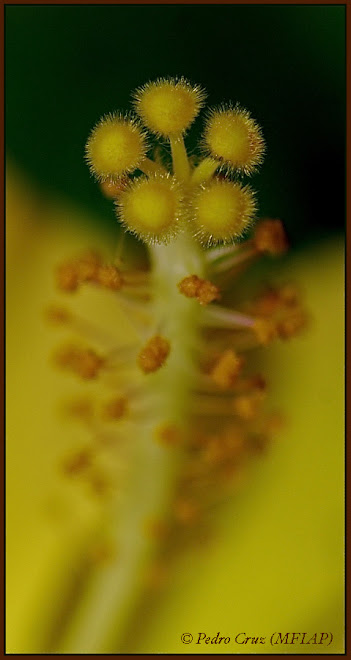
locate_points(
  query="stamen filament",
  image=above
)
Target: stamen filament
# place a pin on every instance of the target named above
(119, 249)
(220, 252)
(136, 312)
(135, 278)
(91, 331)
(220, 317)
(122, 354)
(138, 292)
(181, 167)
(149, 167)
(246, 253)
(204, 171)
(212, 406)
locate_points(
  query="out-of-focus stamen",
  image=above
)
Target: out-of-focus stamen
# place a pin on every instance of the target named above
(221, 317)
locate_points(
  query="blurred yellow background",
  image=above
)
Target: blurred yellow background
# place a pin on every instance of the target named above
(276, 562)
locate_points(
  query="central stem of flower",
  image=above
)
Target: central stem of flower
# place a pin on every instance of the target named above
(114, 589)
(178, 321)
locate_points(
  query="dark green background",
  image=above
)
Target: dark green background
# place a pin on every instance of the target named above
(68, 65)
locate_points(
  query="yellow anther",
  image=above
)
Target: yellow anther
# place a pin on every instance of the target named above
(270, 237)
(115, 409)
(99, 484)
(213, 452)
(233, 137)
(152, 208)
(223, 447)
(265, 330)
(81, 409)
(67, 277)
(66, 355)
(196, 287)
(186, 511)
(78, 462)
(258, 442)
(168, 435)
(257, 383)
(268, 303)
(189, 286)
(111, 189)
(84, 362)
(289, 295)
(227, 369)
(168, 106)
(248, 406)
(58, 315)
(88, 364)
(223, 210)
(292, 324)
(72, 273)
(86, 266)
(275, 302)
(109, 277)
(154, 354)
(156, 529)
(207, 292)
(116, 146)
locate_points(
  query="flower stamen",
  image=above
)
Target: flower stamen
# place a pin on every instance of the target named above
(154, 354)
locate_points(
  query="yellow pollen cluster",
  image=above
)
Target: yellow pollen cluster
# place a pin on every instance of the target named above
(168, 107)
(265, 330)
(233, 137)
(115, 409)
(168, 435)
(77, 462)
(109, 277)
(80, 409)
(223, 211)
(84, 362)
(186, 511)
(88, 268)
(186, 197)
(247, 406)
(152, 208)
(292, 324)
(58, 315)
(72, 273)
(117, 145)
(222, 449)
(278, 314)
(196, 287)
(227, 369)
(154, 354)
(111, 189)
(270, 237)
